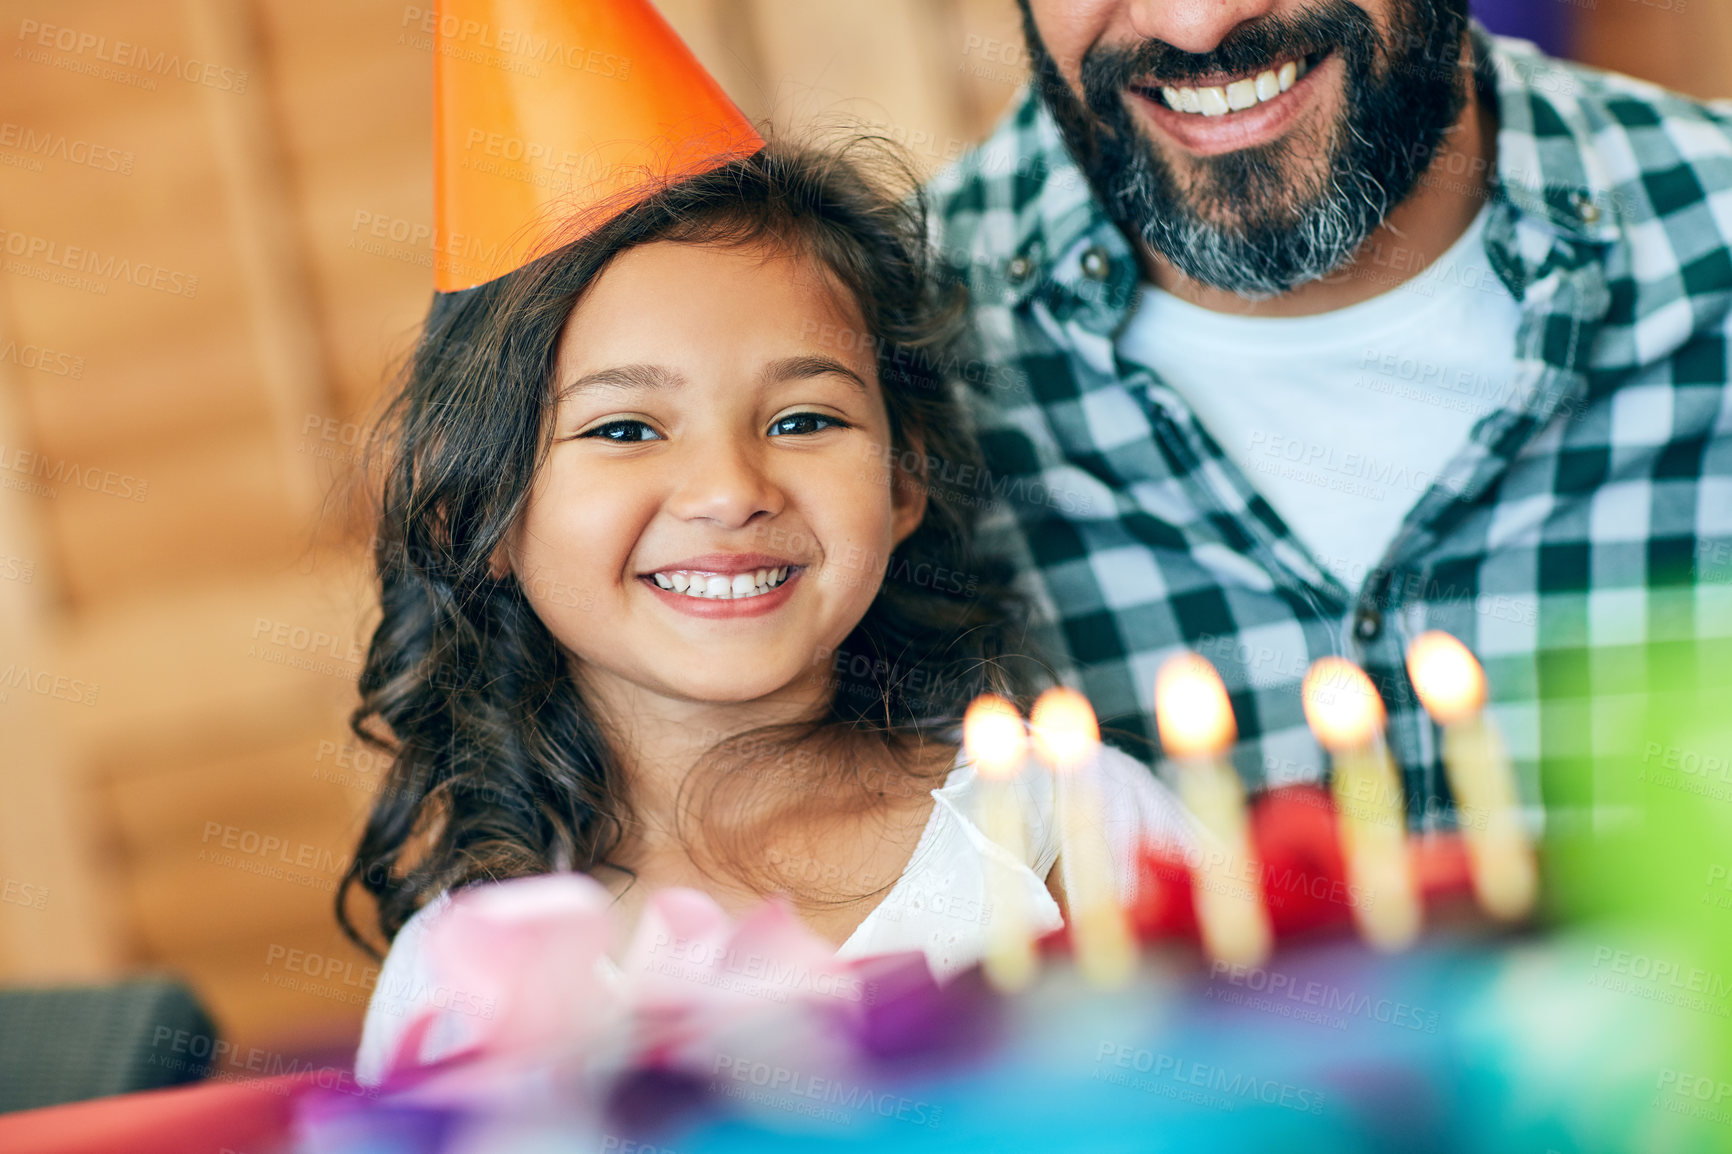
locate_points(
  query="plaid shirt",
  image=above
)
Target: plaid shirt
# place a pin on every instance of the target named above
(1588, 518)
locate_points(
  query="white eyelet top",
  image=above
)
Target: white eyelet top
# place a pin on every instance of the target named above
(939, 906)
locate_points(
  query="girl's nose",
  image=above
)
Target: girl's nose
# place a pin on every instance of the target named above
(1193, 25)
(728, 485)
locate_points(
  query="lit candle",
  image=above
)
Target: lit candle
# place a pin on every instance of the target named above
(1346, 714)
(997, 744)
(1451, 686)
(1067, 739)
(1197, 728)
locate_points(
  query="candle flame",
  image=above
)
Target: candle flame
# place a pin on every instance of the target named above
(1341, 704)
(992, 734)
(1065, 731)
(1191, 708)
(1449, 681)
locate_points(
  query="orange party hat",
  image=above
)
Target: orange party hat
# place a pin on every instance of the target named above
(550, 113)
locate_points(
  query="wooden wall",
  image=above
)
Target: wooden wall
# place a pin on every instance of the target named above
(206, 272)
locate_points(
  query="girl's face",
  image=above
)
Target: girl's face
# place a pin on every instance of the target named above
(716, 513)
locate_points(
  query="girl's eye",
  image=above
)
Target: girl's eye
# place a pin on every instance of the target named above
(796, 424)
(623, 432)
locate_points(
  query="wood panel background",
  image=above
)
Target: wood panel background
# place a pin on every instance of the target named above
(196, 314)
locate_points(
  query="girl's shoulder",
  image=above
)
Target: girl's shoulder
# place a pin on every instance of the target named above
(942, 903)
(1136, 806)
(1133, 794)
(404, 985)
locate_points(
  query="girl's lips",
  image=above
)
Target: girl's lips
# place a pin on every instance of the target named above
(1215, 135)
(716, 607)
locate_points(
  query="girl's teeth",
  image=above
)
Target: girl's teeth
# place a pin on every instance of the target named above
(722, 588)
(1219, 100)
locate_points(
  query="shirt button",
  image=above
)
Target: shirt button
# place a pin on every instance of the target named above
(1096, 264)
(1586, 208)
(1019, 269)
(1367, 624)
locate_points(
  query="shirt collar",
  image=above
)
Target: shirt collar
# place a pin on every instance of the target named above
(1056, 213)
(1547, 169)
(1547, 164)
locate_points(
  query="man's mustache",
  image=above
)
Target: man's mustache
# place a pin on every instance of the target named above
(1248, 49)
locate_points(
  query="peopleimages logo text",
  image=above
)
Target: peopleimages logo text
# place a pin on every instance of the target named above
(87, 260)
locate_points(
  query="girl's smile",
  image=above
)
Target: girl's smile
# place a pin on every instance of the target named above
(726, 584)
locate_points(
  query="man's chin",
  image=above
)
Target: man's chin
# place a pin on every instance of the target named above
(1237, 195)
(1255, 255)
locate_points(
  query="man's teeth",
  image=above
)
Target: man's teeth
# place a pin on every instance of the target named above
(720, 588)
(1237, 96)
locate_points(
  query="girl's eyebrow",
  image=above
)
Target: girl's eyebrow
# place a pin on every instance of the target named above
(794, 368)
(638, 378)
(644, 378)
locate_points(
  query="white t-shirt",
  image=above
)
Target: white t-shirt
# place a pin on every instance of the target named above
(938, 906)
(1343, 420)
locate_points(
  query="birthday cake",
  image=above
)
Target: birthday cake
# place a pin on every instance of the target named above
(751, 1036)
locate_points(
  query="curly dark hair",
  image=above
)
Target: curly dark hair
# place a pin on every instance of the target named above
(499, 768)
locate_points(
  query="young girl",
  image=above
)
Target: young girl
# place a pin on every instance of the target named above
(670, 598)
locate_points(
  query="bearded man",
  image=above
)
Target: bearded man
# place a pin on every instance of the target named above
(1304, 326)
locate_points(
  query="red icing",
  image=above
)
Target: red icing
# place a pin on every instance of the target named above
(1304, 877)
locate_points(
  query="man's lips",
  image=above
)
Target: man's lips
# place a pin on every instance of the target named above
(1228, 129)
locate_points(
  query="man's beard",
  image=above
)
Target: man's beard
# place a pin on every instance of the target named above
(1257, 222)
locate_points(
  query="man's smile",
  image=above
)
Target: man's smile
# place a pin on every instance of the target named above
(1219, 95)
(1234, 112)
